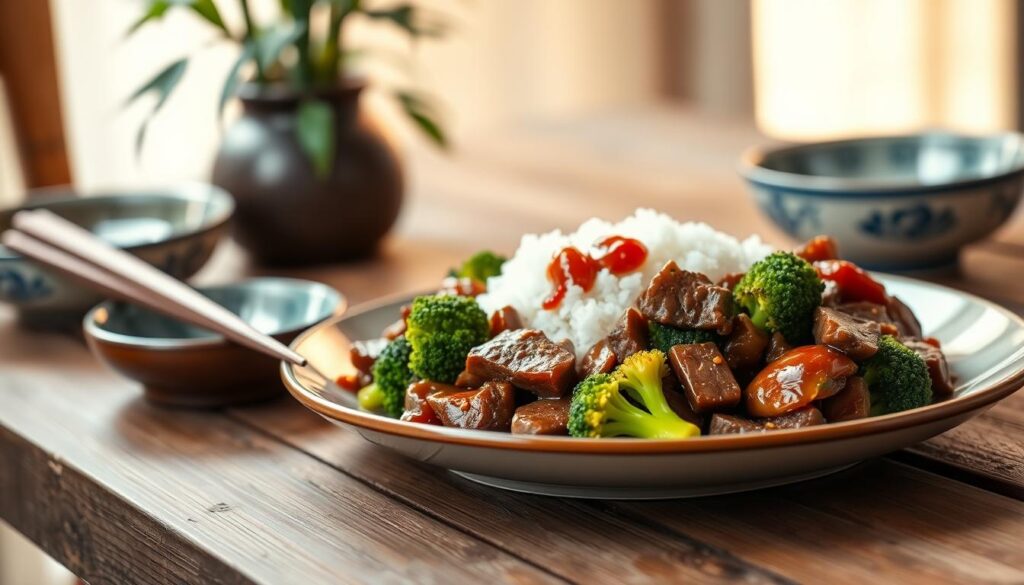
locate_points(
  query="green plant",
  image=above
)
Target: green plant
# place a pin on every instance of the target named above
(300, 50)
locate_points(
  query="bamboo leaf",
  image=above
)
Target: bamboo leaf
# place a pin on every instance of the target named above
(155, 11)
(420, 112)
(206, 9)
(410, 19)
(273, 40)
(315, 131)
(161, 85)
(234, 76)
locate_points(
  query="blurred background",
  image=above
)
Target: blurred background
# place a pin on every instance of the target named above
(796, 69)
(802, 69)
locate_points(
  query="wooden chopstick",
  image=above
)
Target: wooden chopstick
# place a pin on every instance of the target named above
(161, 291)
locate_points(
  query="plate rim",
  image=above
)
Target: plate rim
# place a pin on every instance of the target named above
(872, 426)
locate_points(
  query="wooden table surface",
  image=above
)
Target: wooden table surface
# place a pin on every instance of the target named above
(120, 491)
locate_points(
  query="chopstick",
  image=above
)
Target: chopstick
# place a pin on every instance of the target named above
(56, 242)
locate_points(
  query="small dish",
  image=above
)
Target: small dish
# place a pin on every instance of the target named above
(183, 365)
(983, 342)
(174, 229)
(893, 203)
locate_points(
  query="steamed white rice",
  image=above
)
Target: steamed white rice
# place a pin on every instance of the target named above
(584, 318)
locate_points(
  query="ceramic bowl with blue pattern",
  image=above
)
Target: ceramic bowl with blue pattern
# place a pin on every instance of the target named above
(894, 203)
(173, 229)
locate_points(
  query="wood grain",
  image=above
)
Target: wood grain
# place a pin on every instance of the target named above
(879, 518)
(731, 537)
(120, 491)
(546, 531)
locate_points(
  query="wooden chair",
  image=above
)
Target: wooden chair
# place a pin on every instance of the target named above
(29, 70)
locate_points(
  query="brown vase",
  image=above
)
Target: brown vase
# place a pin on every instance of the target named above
(286, 213)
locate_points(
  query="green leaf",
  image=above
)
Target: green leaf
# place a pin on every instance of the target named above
(204, 8)
(420, 112)
(410, 19)
(273, 40)
(208, 10)
(155, 11)
(161, 85)
(234, 76)
(315, 130)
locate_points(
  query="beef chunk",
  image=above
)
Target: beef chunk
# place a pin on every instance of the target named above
(730, 280)
(777, 346)
(542, 417)
(746, 344)
(708, 383)
(871, 312)
(856, 337)
(504, 319)
(725, 424)
(687, 300)
(807, 416)
(629, 335)
(938, 369)
(599, 360)
(398, 328)
(527, 359)
(852, 402)
(467, 380)
(671, 389)
(903, 317)
(416, 407)
(487, 408)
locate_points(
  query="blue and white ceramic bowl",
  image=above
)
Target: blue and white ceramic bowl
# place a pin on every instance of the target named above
(173, 229)
(894, 203)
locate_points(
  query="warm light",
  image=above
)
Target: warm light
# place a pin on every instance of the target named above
(856, 67)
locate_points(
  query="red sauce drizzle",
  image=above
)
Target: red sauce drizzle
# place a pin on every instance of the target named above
(570, 266)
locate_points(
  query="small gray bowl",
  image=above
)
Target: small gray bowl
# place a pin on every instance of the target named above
(173, 229)
(183, 365)
(893, 203)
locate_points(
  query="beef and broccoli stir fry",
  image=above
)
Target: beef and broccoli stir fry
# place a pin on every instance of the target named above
(801, 339)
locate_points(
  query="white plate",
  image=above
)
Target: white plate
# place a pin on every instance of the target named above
(983, 342)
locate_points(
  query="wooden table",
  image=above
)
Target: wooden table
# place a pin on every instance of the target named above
(123, 492)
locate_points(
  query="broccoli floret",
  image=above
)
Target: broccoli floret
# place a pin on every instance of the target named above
(780, 292)
(441, 330)
(663, 337)
(480, 266)
(600, 408)
(897, 378)
(392, 375)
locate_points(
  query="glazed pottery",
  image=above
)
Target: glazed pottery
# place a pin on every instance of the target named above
(183, 365)
(894, 203)
(287, 213)
(175, 230)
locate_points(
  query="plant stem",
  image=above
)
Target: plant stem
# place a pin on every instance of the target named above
(305, 65)
(251, 33)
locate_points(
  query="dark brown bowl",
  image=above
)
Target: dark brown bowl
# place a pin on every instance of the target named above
(182, 365)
